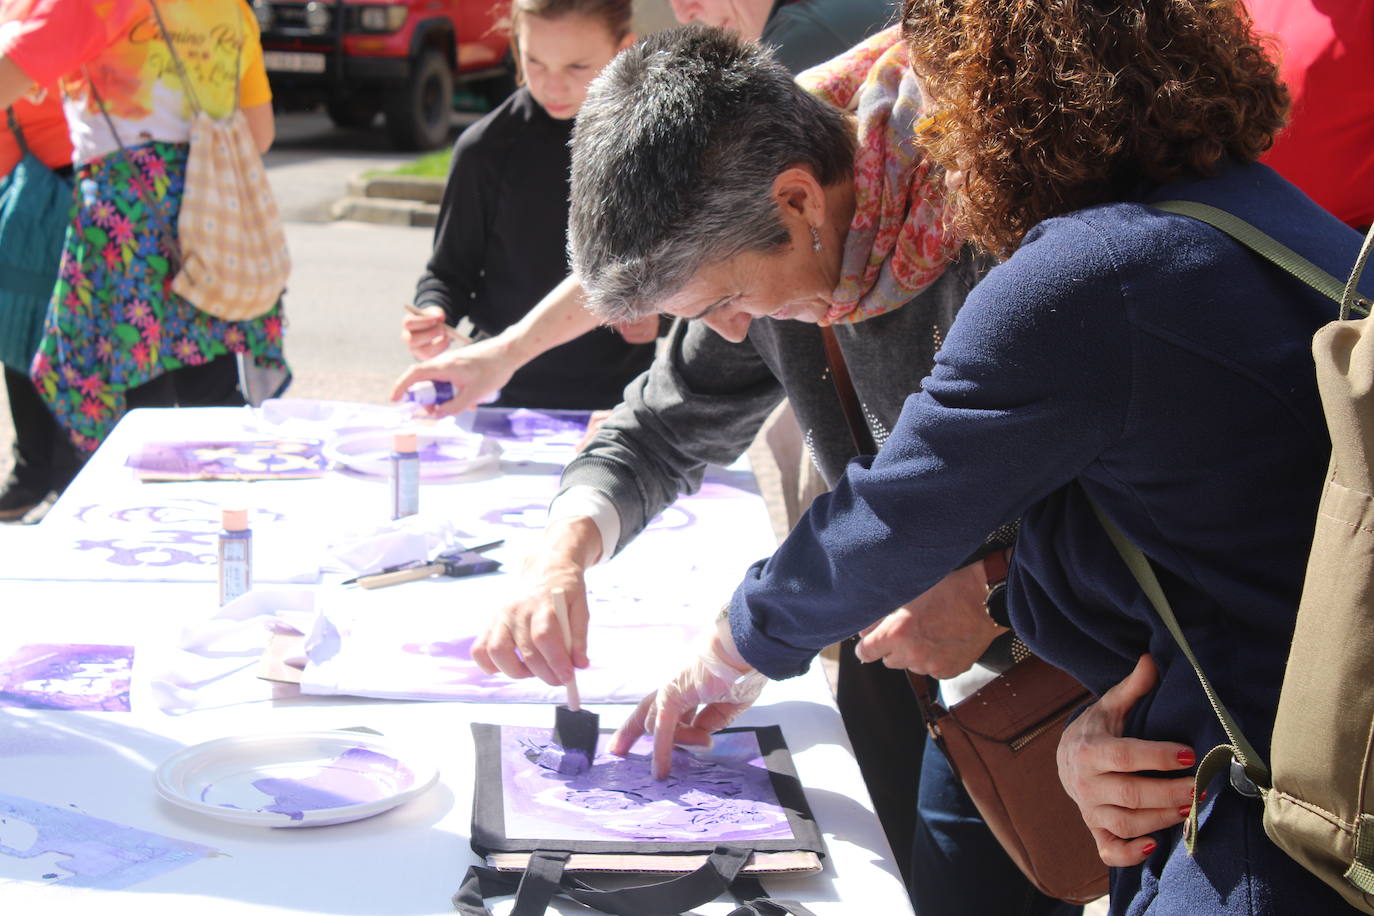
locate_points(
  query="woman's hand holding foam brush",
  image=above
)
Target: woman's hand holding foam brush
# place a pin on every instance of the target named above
(574, 729)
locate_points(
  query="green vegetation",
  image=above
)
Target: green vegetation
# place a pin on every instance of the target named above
(430, 165)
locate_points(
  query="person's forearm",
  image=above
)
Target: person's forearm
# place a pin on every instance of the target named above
(431, 290)
(556, 319)
(13, 82)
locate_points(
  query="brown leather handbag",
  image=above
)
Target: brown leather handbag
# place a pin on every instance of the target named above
(1001, 741)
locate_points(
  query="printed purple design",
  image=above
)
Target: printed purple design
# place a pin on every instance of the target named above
(90, 678)
(100, 854)
(258, 460)
(721, 795)
(355, 777)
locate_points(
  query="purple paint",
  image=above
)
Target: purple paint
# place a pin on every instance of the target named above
(277, 459)
(78, 677)
(98, 853)
(355, 777)
(563, 761)
(460, 649)
(721, 795)
(527, 425)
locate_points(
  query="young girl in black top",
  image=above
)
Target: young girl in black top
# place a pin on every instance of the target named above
(499, 246)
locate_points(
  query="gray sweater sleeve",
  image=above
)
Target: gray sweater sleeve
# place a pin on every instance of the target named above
(700, 403)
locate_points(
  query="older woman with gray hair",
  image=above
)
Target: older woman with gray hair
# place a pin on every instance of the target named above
(708, 185)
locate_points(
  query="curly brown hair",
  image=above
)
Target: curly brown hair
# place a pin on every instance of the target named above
(1053, 105)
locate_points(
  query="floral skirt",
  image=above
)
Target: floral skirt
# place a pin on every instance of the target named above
(114, 322)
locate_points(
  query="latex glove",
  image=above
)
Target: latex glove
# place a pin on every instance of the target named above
(706, 696)
(1097, 765)
(942, 633)
(425, 335)
(525, 639)
(642, 331)
(475, 371)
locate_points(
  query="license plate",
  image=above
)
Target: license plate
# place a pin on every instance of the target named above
(293, 61)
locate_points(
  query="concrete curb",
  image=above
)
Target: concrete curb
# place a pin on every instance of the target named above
(391, 200)
(386, 212)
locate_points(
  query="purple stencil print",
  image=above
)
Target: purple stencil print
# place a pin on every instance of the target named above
(99, 854)
(527, 425)
(275, 459)
(355, 777)
(721, 795)
(81, 677)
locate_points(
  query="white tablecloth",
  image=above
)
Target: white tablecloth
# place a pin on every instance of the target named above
(407, 861)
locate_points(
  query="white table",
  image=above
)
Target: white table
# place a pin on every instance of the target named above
(407, 861)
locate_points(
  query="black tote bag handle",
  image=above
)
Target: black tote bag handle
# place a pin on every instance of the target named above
(544, 877)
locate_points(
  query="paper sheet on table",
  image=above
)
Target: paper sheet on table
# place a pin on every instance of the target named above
(417, 643)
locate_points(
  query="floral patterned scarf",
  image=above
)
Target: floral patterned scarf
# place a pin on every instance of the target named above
(898, 243)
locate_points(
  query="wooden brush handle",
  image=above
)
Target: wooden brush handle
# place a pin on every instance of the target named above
(382, 580)
(560, 609)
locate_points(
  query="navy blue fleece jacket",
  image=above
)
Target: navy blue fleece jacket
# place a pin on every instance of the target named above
(1148, 361)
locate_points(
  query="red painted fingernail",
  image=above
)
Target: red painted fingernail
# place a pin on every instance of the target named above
(1186, 758)
(1185, 810)
(1203, 797)
(1149, 848)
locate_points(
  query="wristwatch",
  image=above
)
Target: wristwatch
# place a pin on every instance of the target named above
(995, 566)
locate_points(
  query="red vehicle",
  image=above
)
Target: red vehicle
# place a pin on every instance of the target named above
(402, 59)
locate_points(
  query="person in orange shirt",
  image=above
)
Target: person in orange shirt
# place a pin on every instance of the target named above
(117, 337)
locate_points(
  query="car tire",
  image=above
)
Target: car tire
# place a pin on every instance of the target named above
(418, 116)
(356, 114)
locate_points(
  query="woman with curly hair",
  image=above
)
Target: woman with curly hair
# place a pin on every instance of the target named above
(1119, 355)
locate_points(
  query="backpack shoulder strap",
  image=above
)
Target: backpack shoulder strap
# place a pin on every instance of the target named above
(1344, 294)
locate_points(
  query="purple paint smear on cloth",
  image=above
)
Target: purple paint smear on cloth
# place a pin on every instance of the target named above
(721, 795)
(355, 777)
(90, 678)
(99, 854)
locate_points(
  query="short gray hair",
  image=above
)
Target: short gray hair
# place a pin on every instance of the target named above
(674, 155)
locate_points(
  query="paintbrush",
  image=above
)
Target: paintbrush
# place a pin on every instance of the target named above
(575, 729)
(450, 331)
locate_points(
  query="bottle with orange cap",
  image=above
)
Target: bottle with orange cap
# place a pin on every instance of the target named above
(405, 475)
(235, 555)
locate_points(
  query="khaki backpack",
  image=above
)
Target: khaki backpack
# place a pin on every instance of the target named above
(1317, 792)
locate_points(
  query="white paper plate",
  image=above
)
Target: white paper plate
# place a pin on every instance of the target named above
(301, 779)
(443, 453)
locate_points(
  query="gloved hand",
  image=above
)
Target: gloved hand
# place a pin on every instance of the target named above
(718, 680)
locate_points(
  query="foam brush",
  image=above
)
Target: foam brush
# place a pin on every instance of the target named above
(575, 730)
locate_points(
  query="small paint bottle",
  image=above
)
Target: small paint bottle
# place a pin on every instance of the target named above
(405, 475)
(428, 393)
(235, 555)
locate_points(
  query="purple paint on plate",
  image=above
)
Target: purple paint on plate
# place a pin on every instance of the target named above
(90, 678)
(460, 649)
(355, 777)
(98, 853)
(721, 795)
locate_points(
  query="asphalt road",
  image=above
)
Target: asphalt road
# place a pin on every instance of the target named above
(348, 280)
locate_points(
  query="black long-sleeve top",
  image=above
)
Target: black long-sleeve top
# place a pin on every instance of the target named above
(499, 247)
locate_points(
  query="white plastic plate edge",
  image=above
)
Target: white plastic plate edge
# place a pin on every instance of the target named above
(166, 782)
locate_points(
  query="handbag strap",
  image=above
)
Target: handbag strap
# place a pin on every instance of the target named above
(181, 67)
(544, 878)
(17, 131)
(1345, 294)
(176, 59)
(849, 400)
(164, 231)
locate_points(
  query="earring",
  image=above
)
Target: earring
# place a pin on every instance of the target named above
(815, 239)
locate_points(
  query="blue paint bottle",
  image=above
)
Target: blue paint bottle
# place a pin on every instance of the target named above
(405, 475)
(428, 393)
(235, 555)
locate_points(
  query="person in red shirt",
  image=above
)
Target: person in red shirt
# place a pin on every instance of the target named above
(44, 459)
(1325, 51)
